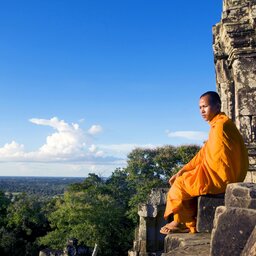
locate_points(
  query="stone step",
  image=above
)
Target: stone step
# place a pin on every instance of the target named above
(207, 205)
(187, 244)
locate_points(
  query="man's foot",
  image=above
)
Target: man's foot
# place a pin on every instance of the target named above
(174, 227)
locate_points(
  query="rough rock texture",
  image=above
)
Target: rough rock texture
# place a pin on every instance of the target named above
(231, 229)
(206, 210)
(250, 247)
(72, 249)
(187, 244)
(148, 240)
(49, 252)
(250, 177)
(242, 195)
(234, 47)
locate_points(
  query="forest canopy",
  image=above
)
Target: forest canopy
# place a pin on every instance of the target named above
(96, 210)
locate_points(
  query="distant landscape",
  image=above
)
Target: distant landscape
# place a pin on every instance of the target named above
(43, 186)
(38, 213)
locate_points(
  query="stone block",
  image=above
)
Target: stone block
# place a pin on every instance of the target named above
(242, 195)
(155, 203)
(231, 230)
(250, 177)
(206, 210)
(148, 240)
(250, 247)
(187, 244)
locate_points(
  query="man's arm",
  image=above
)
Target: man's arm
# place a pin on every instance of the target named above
(191, 165)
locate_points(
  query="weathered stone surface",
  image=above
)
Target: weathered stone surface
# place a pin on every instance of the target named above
(148, 240)
(187, 244)
(234, 47)
(72, 248)
(231, 230)
(206, 210)
(157, 198)
(251, 177)
(250, 247)
(49, 252)
(242, 195)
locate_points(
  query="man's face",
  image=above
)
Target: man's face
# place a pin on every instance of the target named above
(207, 109)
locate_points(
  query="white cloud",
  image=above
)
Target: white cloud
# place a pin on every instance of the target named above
(95, 129)
(123, 149)
(189, 135)
(98, 153)
(68, 151)
(68, 142)
(12, 149)
(71, 146)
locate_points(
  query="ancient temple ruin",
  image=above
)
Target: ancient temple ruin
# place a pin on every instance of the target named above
(234, 47)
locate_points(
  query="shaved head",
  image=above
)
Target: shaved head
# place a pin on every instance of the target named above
(210, 105)
(213, 96)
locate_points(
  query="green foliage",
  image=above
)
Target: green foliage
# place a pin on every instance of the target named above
(4, 203)
(42, 186)
(152, 168)
(95, 210)
(91, 214)
(25, 221)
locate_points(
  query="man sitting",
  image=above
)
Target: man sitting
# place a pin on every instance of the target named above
(222, 160)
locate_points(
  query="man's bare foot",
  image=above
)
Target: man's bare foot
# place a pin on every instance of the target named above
(174, 227)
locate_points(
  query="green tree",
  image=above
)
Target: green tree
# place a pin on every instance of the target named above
(4, 203)
(104, 211)
(25, 221)
(152, 168)
(91, 214)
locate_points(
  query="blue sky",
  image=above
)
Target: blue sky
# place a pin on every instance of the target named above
(85, 82)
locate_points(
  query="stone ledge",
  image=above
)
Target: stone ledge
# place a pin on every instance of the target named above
(251, 176)
(250, 247)
(242, 195)
(206, 210)
(187, 244)
(231, 229)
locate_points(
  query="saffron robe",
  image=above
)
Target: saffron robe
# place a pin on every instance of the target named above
(222, 160)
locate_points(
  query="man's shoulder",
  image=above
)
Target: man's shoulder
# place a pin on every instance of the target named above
(223, 124)
(221, 121)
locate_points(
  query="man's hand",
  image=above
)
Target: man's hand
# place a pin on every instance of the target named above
(173, 178)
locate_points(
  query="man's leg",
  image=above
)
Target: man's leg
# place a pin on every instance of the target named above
(187, 214)
(184, 219)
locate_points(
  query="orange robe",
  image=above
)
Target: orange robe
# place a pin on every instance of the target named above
(223, 159)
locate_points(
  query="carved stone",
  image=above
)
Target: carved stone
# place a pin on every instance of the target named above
(232, 228)
(250, 247)
(72, 248)
(206, 210)
(187, 244)
(242, 195)
(234, 47)
(148, 240)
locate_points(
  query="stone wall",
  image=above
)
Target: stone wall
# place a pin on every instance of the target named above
(148, 240)
(234, 46)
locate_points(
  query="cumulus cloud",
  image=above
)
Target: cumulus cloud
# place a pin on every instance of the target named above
(67, 146)
(12, 149)
(94, 149)
(68, 151)
(189, 135)
(68, 142)
(95, 129)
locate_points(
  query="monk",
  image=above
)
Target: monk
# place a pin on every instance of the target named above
(222, 160)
